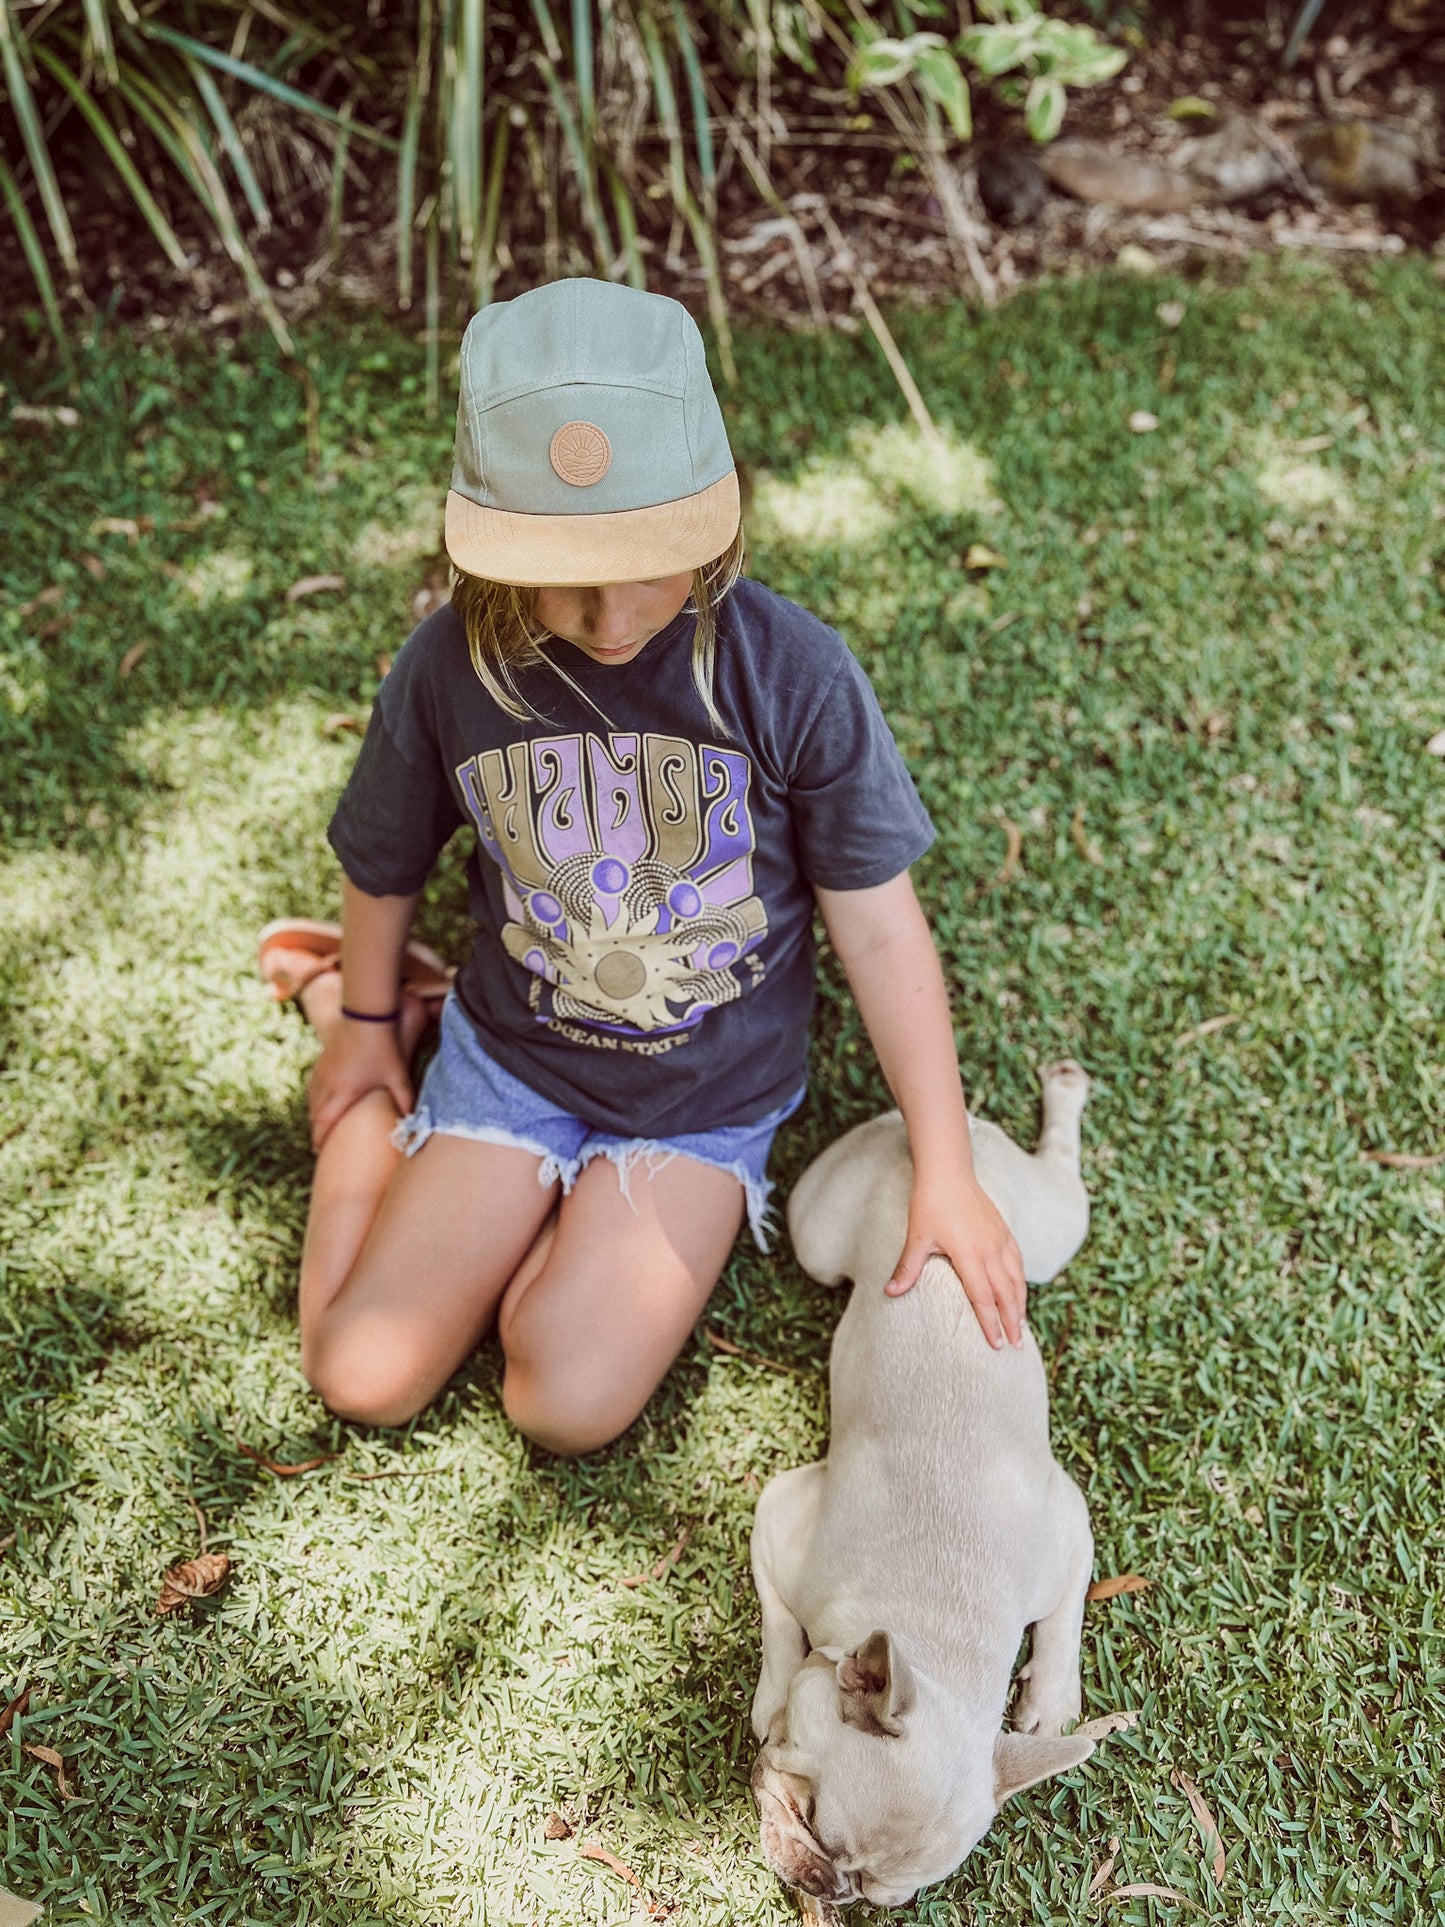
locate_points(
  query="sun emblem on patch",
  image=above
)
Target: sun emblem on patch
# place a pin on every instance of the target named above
(580, 453)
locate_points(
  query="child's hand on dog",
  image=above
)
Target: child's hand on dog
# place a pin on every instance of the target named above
(962, 1223)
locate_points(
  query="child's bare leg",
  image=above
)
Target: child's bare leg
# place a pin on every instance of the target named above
(355, 1164)
(604, 1303)
(404, 1259)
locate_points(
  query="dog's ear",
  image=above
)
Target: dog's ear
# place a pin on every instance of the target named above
(1021, 1760)
(849, 1200)
(875, 1687)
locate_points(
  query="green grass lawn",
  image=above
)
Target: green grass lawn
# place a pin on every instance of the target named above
(1200, 687)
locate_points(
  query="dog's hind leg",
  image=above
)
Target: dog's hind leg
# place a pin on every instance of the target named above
(782, 1532)
(1052, 1697)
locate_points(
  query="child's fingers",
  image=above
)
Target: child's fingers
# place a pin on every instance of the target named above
(905, 1272)
(981, 1295)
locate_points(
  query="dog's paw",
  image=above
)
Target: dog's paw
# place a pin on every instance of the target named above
(1045, 1707)
(1066, 1073)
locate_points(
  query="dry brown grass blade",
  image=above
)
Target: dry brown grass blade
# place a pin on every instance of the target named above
(1208, 1825)
(194, 1578)
(13, 1711)
(8, 1541)
(48, 1756)
(1090, 852)
(132, 658)
(1208, 1027)
(1112, 1588)
(1405, 1160)
(862, 294)
(314, 585)
(1104, 1872)
(591, 1850)
(1013, 854)
(1147, 1890)
(668, 1559)
(284, 1471)
(341, 720)
(719, 1343)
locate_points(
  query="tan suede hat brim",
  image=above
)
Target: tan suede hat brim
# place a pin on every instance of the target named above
(587, 551)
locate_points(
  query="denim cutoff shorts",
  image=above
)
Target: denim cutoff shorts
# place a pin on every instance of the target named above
(466, 1093)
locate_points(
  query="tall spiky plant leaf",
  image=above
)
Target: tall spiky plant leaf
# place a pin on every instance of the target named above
(210, 93)
(115, 153)
(32, 133)
(263, 82)
(34, 253)
(102, 41)
(491, 213)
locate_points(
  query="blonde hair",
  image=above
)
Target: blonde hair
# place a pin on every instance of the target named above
(504, 636)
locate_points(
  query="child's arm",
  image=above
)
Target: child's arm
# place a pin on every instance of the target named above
(886, 948)
(363, 1057)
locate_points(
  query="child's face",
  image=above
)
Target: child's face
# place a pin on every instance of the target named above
(615, 623)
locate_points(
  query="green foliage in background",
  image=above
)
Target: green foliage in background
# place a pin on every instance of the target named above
(1199, 683)
(231, 118)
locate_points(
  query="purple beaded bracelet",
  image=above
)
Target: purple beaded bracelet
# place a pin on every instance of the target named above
(370, 1016)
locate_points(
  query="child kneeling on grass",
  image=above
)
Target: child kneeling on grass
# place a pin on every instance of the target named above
(666, 768)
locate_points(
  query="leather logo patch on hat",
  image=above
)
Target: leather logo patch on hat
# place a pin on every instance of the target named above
(580, 453)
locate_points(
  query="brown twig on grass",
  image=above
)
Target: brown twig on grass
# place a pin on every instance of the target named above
(668, 1559)
(591, 1850)
(284, 1471)
(1405, 1160)
(722, 1344)
(1013, 854)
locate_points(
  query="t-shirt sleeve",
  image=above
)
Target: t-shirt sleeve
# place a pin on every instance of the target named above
(857, 815)
(398, 808)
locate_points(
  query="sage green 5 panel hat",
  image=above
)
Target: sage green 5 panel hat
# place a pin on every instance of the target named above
(590, 445)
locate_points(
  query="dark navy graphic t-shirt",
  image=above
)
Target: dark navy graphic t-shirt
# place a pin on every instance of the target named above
(642, 882)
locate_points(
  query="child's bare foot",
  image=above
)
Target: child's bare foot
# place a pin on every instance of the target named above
(301, 958)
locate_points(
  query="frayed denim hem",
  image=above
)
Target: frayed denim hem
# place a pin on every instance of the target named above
(412, 1133)
(628, 1153)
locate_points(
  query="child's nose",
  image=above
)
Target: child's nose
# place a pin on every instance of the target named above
(617, 615)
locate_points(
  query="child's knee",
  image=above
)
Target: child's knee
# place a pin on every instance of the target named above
(369, 1378)
(564, 1414)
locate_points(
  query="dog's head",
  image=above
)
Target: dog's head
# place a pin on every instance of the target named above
(866, 1791)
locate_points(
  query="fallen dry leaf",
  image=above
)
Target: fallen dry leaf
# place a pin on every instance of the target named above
(1436, 744)
(41, 601)
(722, 1344)
(1208, 1825)
(1311, 445)
(1208, 1027)
(1013, 852)
(194, 1578)
(1406, 1160)
(1107, 1723)
(131, 658)
(1146, 1890)
(48, 631)
(8, 1541)
(1111, 1588)
(49, 1757)
(341, 720)
(1104, 1872)
(590, 1850)
(13, 1711)
(981, 556)
(1090, 852)
(668, 1558)
(95, 566)
(284, 1471)
(1141, 422)
(314, 585)
(125, 525)
(554, 1827)
(46, 417)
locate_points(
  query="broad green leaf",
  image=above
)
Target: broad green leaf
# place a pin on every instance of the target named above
(942, 79)
(1044, 108)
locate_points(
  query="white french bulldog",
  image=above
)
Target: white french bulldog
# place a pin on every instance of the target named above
(898, 1575)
